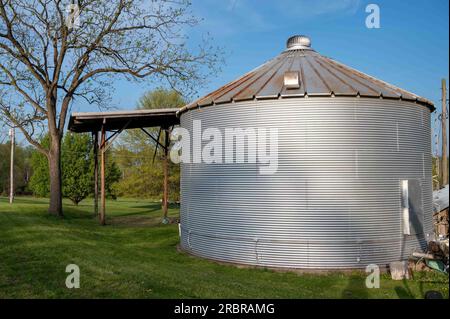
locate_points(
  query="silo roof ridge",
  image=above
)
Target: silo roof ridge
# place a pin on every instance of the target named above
(317, 75)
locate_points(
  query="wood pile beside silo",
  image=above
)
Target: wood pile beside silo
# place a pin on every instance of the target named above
(441, 223)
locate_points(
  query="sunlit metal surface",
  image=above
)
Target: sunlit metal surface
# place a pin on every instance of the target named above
(298, 42)
(335, 201)
(440, 199)
(319, 76)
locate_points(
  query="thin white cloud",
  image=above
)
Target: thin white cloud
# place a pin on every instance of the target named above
(226, 18)
(232, 16)
(313, 8)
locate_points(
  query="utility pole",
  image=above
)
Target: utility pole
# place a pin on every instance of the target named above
(11, 169)
(444, 134)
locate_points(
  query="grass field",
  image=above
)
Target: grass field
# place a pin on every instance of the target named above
(136, 257)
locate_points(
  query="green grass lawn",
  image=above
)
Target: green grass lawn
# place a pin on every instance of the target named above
(136, 257)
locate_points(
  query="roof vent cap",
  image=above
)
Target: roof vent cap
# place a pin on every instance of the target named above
(297, 42)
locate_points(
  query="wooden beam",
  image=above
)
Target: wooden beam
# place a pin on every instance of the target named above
(11, 167)
(102, 177)
(115, 134)
(95, 135)
(154, 139)
(444, 134)
(166, 175)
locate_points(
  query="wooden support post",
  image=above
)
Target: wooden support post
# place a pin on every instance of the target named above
(11, 168)
(444, 134)
(95, 173)
(166, 175)
(102, 176)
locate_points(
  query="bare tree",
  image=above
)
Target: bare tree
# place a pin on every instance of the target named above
(54, 51)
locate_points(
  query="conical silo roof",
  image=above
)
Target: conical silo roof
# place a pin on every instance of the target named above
(301, 72)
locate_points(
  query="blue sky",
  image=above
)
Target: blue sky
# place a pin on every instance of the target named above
(410, 50)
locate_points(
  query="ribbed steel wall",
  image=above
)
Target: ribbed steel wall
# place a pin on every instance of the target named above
(335, 201)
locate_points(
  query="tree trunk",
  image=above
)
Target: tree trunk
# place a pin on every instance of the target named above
(54, 161)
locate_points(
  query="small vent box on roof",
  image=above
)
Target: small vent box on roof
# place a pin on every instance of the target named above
(291, 80)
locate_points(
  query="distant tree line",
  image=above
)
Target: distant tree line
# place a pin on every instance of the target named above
(22, 169)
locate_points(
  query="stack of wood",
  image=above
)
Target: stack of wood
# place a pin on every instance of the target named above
(418, 265)
(441, 222)
(436, 250)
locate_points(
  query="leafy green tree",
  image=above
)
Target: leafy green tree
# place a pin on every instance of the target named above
(22, 168)
(141, 176)
(77, 170)
(161, 98)
(76, 161)
(40, 180)
(112, 175)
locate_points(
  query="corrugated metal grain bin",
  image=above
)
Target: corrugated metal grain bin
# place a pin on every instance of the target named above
(353, 184)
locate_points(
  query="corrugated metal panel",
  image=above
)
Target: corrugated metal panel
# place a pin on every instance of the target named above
(440, 199)
(319, 76)
(335, 201)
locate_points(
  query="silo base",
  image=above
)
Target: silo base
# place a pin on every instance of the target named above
(384, 268)
(300, 254)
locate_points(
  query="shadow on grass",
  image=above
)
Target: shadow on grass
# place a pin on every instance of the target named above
(155, 206)
(137, 213)
(134, 221)
(356, 288)
(405, 292)
(25, 200)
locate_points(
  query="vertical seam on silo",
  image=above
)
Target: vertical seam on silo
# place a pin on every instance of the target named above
(422, 202)
(307, 149)
(256, 250)
(189, 239)
(423, 165)
(307, 252)
(359, 250)
(188, 219)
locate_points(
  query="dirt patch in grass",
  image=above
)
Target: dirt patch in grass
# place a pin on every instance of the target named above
(134, 221)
